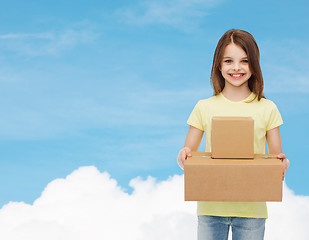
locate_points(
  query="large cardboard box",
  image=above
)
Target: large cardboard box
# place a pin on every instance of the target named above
(232, 137)
(258, 179)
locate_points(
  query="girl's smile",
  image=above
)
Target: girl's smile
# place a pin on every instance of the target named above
(236, 75)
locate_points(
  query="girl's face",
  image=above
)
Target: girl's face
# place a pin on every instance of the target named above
(234, 66)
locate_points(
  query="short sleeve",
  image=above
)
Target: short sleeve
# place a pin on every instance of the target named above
(274, 119)
(195, 118)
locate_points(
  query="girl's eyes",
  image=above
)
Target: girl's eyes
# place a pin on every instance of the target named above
(230, 61)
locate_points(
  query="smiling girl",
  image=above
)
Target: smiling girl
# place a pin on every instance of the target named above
(238, 91)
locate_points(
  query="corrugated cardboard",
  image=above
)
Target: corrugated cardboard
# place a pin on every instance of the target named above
(258, 179)
(232, 137)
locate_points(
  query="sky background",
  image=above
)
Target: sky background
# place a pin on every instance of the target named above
(111, 84)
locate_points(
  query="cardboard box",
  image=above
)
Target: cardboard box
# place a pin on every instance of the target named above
(258, 179)
(232, 137)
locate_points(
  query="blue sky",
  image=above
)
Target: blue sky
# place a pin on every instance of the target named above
(112, 83)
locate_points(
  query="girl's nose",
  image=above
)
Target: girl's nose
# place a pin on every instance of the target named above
(236, 66)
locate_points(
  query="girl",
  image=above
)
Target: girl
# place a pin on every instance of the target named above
(238, 91)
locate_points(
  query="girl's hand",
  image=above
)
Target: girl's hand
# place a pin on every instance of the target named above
(286, 164)
(183, 155)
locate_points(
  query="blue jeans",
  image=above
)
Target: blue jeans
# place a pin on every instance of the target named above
(217, 228)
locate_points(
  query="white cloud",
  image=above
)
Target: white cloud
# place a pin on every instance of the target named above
(180, 14)
(88, 204)
(48, 42)
(46, 35)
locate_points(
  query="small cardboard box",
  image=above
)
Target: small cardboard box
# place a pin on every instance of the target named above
(232, 137)
(258, 179)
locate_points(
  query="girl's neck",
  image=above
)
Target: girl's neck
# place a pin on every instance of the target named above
(236, 94)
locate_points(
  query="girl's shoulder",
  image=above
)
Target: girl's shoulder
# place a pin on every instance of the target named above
(266, 102)
(209, 100)
(205, 105)
(267, 105)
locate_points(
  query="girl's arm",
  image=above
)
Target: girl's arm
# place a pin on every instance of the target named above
(192, 143)
(275, 147)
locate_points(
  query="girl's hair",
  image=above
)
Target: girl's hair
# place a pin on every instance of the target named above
(246, 41)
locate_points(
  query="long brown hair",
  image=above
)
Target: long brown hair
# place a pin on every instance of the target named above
(246, 41)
